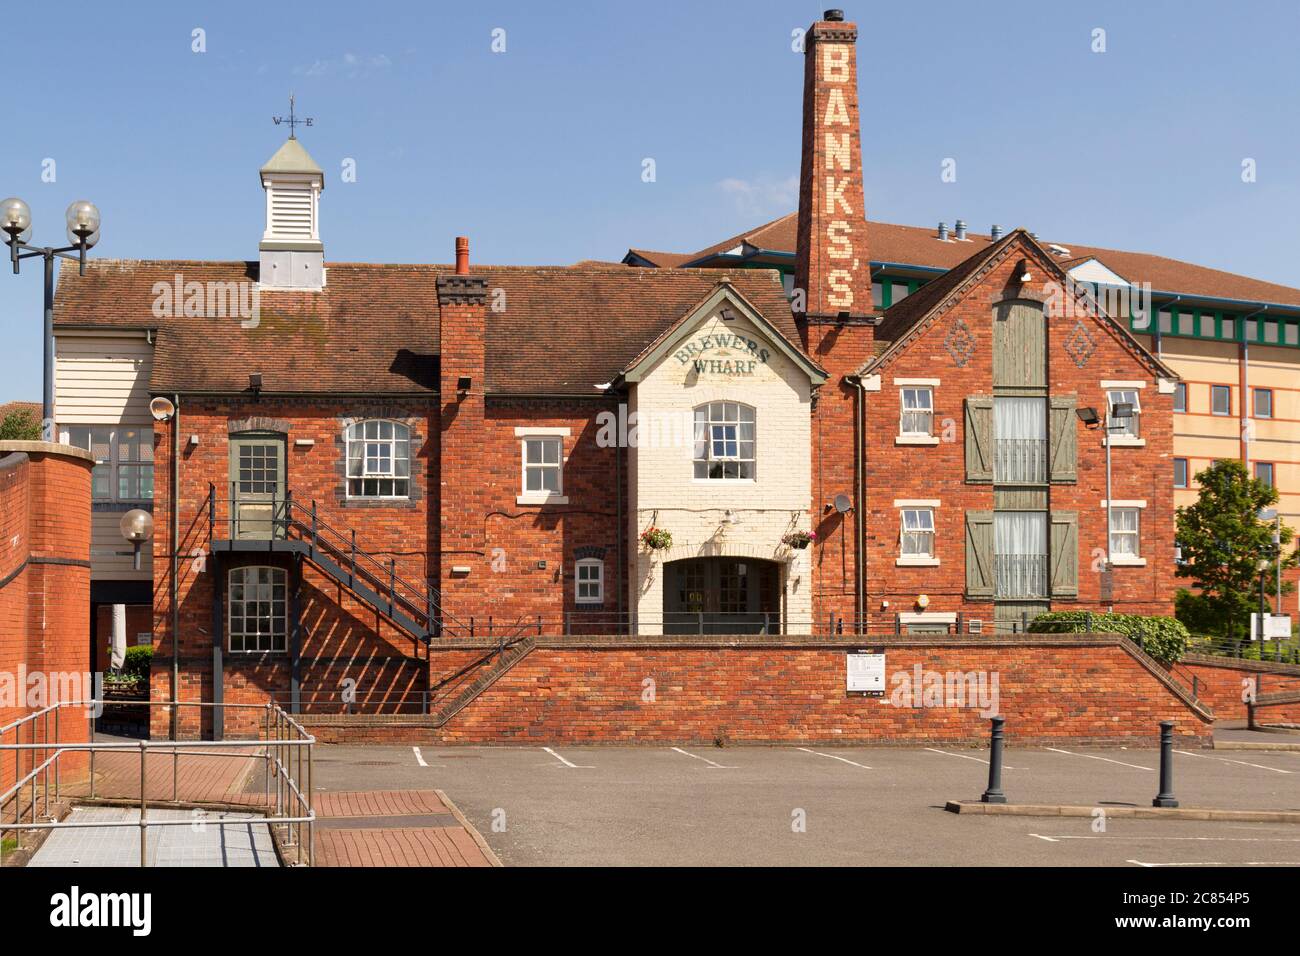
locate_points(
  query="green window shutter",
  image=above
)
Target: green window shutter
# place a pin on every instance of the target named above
(979, 438)
(1065, 553)
(979, 554)
(1063, 437)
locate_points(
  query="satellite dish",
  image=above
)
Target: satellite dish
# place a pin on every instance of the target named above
(843, 504)
(161, 409)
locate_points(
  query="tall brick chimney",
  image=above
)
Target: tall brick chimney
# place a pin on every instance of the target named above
(833, 272)
(462, 318)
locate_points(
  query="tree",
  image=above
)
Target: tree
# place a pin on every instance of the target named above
(1222, 540)
(20, 425)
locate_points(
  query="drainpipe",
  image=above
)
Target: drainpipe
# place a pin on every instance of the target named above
(174, 546)
(860, 494)
(1243, 345)
(618, 537)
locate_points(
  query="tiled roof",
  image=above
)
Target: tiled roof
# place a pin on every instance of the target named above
(920, 246)
(8, 408)
(374, 328)
(910, 315)
(662, 260)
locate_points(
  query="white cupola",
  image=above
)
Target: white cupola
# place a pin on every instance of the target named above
(291, 253)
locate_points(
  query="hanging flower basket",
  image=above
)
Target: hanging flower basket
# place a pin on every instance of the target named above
(657, 539)
(799, 539)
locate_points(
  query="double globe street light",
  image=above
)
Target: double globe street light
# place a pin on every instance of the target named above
(83, 234)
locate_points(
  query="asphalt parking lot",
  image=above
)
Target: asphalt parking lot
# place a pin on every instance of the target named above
(791, 805)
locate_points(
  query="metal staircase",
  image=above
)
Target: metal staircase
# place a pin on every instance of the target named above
(285, 526)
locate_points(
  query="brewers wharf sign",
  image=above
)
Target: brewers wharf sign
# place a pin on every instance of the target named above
(838, 131)
(725, 345)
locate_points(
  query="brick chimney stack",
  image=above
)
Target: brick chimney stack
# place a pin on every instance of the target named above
(462, 318)
(832, 265)
(833, 272)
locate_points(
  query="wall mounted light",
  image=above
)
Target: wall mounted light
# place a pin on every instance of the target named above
(137, 527)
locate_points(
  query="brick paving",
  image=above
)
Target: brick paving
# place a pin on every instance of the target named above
(421, 846)
(365, 829)
(379, 803)
(198, 779)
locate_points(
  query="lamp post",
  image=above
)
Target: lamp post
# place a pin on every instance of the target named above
(1272, 514)
(83, 233)
(1090, 419)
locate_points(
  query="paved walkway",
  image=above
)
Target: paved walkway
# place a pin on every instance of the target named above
(208, 838)
(395, 828)
(191, 776)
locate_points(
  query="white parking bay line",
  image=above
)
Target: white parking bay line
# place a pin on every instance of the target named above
(1177, 839)
(1257, 766)
(716, 766)
(566, 763)
(1095, 757)
(1247, 863)
(949, 753)
(419, 757)
(834, 757)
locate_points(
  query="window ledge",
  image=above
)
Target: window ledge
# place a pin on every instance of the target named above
(916, 562)
(1127, 441)
(1127, 561)
(916, 440)
(535, 499)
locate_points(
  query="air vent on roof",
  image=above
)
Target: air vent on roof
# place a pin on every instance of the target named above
(995, 233)
(961, 230)
(943, 232)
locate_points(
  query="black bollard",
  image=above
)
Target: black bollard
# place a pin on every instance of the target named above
(994, 793)
(1165, 798)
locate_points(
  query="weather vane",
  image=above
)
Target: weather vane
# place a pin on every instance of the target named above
(292, 120)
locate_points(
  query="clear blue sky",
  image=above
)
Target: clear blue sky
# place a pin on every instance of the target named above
(536, 152)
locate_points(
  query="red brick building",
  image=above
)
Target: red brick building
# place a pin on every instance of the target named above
(354, 464)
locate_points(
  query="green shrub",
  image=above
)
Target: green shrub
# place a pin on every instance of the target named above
(136, 663)
(1164, 638)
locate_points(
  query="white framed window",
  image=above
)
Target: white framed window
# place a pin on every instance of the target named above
(123, 460)
(916, 411)
(1221, 399)
(379, 459)
(1129, 427)
(917, 540)
(1263, 403)
(1264, 472)
(1124, 533)
(541, 468)
(1180, 396)
(543, 471)
(256, 602)
(724, 441)
(589, 581)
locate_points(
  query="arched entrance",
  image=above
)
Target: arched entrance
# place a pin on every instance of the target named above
(722, 595)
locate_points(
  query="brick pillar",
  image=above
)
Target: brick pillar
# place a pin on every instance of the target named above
(833, 276)
(463, 499)
(45, 589)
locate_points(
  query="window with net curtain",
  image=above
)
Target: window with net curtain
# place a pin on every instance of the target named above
(724, 441)
(1020, 553)
(1124, 532)
(1019, 439)
(917, 411)
(918, 532)
(379, 459)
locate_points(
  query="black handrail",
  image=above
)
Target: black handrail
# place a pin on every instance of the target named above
(290, 518)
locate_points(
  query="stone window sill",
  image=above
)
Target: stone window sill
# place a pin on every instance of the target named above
(916, 440)
(541, 500)
(917, 562)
